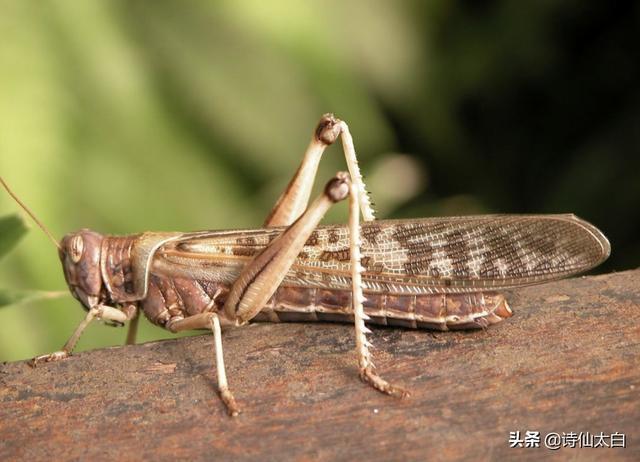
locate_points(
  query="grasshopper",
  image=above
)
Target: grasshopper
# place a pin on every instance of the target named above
(432, 273)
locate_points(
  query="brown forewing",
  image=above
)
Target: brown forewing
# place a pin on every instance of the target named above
(429, 255)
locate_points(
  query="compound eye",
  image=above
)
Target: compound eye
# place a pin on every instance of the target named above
(77, 246)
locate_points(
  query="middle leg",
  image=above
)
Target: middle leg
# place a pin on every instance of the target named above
(212, 321)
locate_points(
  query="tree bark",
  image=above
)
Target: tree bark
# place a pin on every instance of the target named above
(567, 361)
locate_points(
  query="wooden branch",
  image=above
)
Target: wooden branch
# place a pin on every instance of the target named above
(567, 361)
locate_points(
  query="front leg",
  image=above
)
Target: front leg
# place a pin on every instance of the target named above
(106, 313)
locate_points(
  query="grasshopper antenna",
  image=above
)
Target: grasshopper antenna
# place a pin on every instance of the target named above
(30, 213)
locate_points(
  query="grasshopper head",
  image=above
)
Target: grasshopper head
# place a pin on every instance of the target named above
(80, 256)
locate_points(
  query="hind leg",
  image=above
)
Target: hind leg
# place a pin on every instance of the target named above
(295, 198)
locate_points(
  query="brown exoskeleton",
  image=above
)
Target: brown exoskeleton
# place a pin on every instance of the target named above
(438, 273)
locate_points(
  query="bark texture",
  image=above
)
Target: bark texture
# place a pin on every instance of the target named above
(567, 361)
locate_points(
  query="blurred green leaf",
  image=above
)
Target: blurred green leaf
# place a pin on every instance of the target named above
(15, 297)
(12, 228)
(133, 116)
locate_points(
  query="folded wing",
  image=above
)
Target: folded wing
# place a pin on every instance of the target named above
(430, 255)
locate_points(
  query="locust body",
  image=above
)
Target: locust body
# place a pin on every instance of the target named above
(174, 276)
(436, 273)
(178, 284)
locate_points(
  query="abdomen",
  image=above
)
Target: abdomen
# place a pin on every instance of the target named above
(427, 311)
(176, 298)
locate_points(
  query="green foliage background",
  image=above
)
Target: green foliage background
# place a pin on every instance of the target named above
(126, 116)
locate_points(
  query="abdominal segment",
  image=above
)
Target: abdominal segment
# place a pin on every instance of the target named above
(170, 299)
(427, 311)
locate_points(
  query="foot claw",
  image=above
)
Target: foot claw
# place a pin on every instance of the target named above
(230, 402)
(55, 356)
(369, 376)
